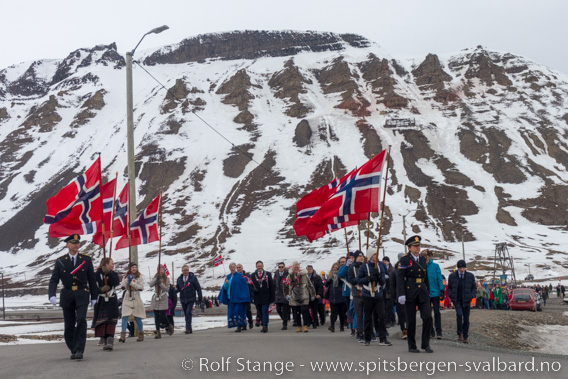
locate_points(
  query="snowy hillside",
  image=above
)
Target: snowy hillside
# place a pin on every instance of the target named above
(479, 148)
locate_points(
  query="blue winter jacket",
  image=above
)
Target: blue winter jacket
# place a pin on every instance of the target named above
(435, 279)
(364, 275)
(342, 273)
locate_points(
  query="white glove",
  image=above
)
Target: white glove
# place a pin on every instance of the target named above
(402, 299)
(312, 298)
(93, 302)
(288, 297)
(53, 300)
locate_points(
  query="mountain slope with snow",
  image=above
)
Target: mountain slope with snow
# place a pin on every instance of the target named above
(479, 148)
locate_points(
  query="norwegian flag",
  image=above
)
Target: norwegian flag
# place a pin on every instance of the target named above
(77, 206)
(218, 260)
(120, 212)
(335, 227)
(166, 270)
(308, 205)
(355, 196)
(145, 229)
(286, 281)
(107, 193)
(249, 280)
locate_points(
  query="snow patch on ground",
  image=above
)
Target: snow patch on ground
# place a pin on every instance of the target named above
(549, 339)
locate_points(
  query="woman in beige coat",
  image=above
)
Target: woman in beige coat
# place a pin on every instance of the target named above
(159, 304)
(301, 292)
(132, 305)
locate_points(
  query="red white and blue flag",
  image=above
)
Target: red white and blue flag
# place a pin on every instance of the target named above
(107, 193)
(145, 228)
(76, 208)
(343, 202)
(166, 270)
(218, 260)
(120, 213)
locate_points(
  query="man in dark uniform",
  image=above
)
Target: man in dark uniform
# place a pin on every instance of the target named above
(412, 291)
(78, 278)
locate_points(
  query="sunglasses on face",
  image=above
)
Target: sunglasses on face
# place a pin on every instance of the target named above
(280, 266)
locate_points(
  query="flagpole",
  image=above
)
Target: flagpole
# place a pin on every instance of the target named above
(368, 228)
(382, 213)
(160, 223)
(102, 207)
(359, 230)
(128, 229)
(112, 217)
(346, 242)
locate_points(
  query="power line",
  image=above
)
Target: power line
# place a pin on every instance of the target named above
(202, 120)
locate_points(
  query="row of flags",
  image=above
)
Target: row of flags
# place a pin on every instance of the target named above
(85, 205)
(343, 202)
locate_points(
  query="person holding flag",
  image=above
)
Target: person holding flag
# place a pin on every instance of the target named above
(132, 304)
(189, 290)
(159, 302)
(106, 311)
(76, 273)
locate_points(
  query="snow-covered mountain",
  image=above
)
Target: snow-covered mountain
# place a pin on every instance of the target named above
(479, 149)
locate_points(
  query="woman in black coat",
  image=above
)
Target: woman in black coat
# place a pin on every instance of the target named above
(106, 310)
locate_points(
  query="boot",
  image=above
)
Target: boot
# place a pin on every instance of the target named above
(299, 330)
(404, 335)
(264, 329)
(101, 341)
(244, 327)
(109, 343)
(158, 334)
(238, 329)
(170, 329)
(305, 328)
(122, 337)
(140, 336)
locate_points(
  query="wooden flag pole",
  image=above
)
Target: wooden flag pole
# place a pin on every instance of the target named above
(112, 217)
(102, 208)
(346, 242)
(160, 225)
(368, 228)
(359, 230)
(381, 220)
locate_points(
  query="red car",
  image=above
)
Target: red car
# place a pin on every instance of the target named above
(525, 299)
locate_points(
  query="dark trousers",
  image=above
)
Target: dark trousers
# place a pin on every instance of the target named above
(314, 311)
(75, 326)
(337, 308)
(283, 310)
(401, 313)
(435, 303)
(358, 306)
(187, 308)
(374, 310)
(462, 316)
(425, 315)
(249, 313)
(321, 311)
(262, 313)
(389, 311)
(301, 312)
(160, 318)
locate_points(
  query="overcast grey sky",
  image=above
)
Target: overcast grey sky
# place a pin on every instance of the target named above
(40, 29)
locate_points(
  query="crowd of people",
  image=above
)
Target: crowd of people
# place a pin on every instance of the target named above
(363, 295)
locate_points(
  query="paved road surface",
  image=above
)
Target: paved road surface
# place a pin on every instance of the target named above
(221, 353)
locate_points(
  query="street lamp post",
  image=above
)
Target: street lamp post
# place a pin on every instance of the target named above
(130, 136)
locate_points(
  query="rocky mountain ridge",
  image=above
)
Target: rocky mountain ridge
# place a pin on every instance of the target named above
(479, 145)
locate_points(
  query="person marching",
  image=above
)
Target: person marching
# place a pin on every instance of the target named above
(436, 285)
(159, 303)
(374, 306)
(132, 305)
(280, 291)
(356, 293)
(400, 311)
(187, 286)
(235, 294)
(76, 273)
(413, 291)
(242, 271)
(317, 282)
(461, 290)
(302, 292)
(336, 300)
(106, 310)
(263, 293)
